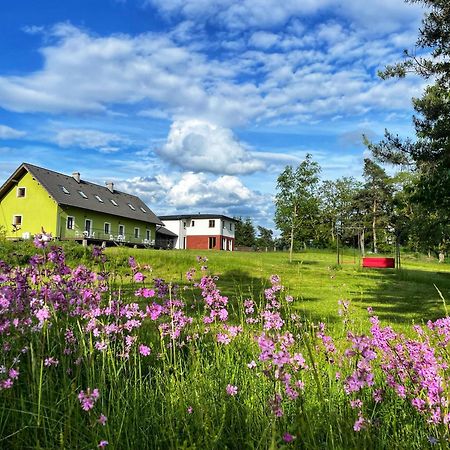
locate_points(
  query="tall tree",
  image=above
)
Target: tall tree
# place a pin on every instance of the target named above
(265, 238)
(377, 199)
(337, 206)
(245, 232)
(429, 154)
(297, 202)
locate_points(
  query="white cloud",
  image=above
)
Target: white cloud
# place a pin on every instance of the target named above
(262, 39)
(89, 139)
(202, 146)
(10, 133)
(375, 16)
(198, 192)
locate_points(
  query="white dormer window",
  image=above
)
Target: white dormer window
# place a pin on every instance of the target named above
(114, 202)
(131, 206)
(21, 192)
(99, 198)
(65, 190)
(142, 209)
(82, 194)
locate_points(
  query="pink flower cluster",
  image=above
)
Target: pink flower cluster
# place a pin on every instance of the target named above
(87, 399)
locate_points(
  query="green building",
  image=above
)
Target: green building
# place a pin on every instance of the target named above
(34, 198)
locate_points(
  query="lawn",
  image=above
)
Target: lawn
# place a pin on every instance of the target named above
(399, 297)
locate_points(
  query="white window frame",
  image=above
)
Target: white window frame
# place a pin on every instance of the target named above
(213, 222)
(73, 223)
(24, 192)
(109, 228)
(136, 235)
(192, 223)
(123, 230)
(148, 235)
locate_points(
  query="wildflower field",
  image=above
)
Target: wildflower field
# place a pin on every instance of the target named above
(151, 350)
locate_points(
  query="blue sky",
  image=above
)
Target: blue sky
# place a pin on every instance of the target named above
(198, 105)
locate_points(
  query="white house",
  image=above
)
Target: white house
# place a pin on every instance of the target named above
(202, 231)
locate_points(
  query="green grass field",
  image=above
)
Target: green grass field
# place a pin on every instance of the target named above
(291, 388)
(398, 297)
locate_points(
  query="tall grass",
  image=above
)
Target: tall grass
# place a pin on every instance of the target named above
(177, 397)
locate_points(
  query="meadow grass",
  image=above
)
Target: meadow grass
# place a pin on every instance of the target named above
(178, 397)
(399, 297)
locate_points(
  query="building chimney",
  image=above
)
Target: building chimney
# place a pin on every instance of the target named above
(110, 185)
(76, 176)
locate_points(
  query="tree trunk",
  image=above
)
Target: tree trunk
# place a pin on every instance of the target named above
(361, 243)
(374, 227)
(291, 248)
(332, 231)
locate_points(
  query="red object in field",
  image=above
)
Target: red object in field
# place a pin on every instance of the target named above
(379, 263)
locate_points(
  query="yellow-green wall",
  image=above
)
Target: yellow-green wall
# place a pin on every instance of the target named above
(98, 220)
(37, 208)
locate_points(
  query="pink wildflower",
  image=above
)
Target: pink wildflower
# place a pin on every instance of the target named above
(102, 444)
(87, 399)
(144, 350)
(288, 437)
(102, 419)
(13, 373)
(139, 277)
(231, 390)
(251, 365)
(190, 409)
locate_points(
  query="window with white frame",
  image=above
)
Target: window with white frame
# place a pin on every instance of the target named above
(121, 230)
(107, 228)
(148, 235)
(212, 223)
(21, 192)
(137, 232)
(192, 223)
(70, 223)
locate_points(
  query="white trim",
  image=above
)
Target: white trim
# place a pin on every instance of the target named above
(138, 232)
(109, 228)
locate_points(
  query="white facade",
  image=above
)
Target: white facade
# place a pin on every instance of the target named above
(185, 226)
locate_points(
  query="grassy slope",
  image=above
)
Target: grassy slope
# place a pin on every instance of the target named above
(398, 297)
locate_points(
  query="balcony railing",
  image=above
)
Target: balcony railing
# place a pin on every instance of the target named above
(100, 235)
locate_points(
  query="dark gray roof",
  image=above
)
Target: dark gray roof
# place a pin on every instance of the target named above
(165, 232)
(54, 183)
(197, 216)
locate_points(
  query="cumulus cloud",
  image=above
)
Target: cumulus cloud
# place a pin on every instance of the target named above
(10, 133)
(89, 139)
(198, 192)
(202, 146)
